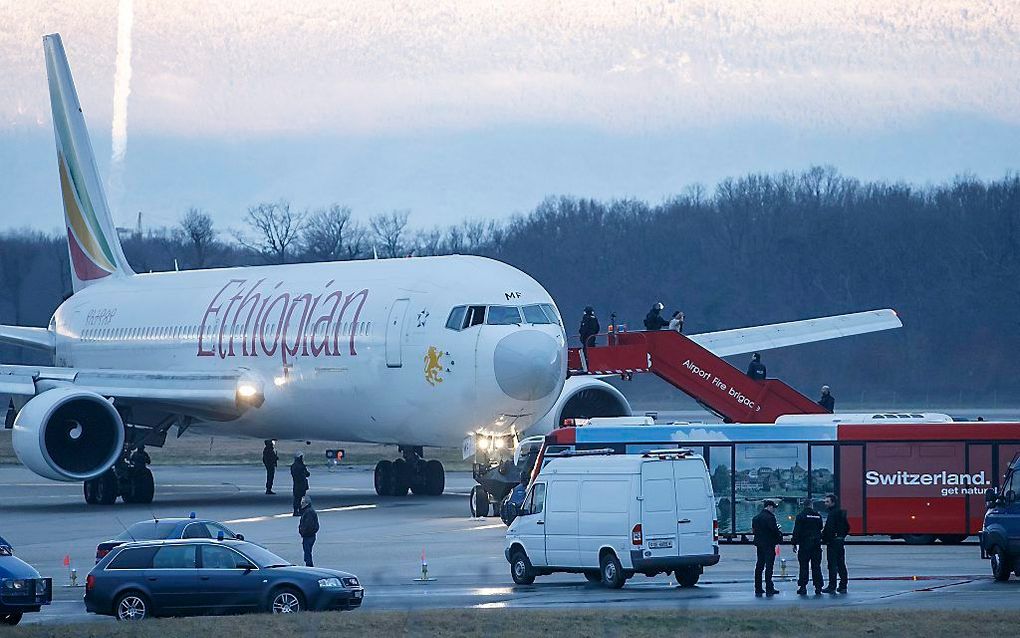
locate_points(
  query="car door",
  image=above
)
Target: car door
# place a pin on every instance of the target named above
(530, 525)
(1008, 512)
(173, 579)
(694, 509)
(227, 581)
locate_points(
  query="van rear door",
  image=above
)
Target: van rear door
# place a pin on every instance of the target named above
(658, 509)
(695, 508)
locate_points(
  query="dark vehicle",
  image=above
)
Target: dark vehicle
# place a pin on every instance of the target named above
(22, 589)
(1000, 535)
(161, 529)
(201, 577)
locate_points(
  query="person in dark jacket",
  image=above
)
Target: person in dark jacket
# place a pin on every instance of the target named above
(299, 474)
(827, 401)
(654, 320)
(767, 535)
(834, 534)
(589, 327)
(308, 527)
(140, 458)
(756, 369)
(270, 459)
(807, 544)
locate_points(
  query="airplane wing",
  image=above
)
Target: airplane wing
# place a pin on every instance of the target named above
(777, 335)
(37, 338)
(205, 395)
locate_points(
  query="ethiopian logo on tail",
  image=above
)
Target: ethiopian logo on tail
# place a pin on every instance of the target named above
(434, 365)
(90, 252)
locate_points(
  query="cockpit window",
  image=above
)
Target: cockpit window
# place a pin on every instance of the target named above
(503, 316)
(475, 316)
(456, 319)
(550, 311)
(535, 314)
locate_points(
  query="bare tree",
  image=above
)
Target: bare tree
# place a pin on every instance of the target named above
(276, 227)
(197, 228)
(325, 235)
(388, 229)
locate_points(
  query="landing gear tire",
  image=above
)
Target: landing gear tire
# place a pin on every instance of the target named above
(384, 478)
(435, 478)
(687, 576)
(1001, 565)
(101, 490)
(611, 571)
(479, 502)
(401, 477)
(141, 487)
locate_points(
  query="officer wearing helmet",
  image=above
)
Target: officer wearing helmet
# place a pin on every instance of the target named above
(654, 319)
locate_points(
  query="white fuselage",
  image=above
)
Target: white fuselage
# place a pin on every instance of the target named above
(346, 351)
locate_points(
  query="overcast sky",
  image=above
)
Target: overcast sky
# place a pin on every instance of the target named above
(454, 109)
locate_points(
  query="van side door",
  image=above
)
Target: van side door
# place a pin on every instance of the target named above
(561, 524)
(695, 508)
(658, 509)
(530, 525)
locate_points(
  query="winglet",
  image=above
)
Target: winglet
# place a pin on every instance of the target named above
(92, 241)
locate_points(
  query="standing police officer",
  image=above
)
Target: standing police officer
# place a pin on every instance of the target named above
(308, 527)
(834, 534)
(767, 535)
(270, 459)
(756, 369)
(299, 474)
(807, 544)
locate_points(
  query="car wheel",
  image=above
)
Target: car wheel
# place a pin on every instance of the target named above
(1000, 564)
(479, 502)
(687, 576)
(435, 478)
(593, 576)
(611, 571)
(286, 601)
(520, 568)
(384, 478)
(131, 606)
(11, 619)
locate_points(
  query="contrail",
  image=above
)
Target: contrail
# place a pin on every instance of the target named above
(121, 92)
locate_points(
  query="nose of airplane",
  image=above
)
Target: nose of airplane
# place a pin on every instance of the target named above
(528, 365)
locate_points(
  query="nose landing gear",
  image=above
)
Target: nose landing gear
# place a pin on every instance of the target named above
(410, 472)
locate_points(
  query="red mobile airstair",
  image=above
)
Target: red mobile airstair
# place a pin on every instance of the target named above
(714, 383)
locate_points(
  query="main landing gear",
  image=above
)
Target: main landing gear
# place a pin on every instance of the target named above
(410, 472)
(132, 484)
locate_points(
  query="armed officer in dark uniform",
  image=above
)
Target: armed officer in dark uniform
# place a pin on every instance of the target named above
(834, 534)
(767, 535)
(807, 544)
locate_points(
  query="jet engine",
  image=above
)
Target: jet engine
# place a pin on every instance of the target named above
(68, 434)
(583, 397)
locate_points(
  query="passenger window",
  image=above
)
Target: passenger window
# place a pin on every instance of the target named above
(475, 316)
(456, 319)
(214, 557)
(503, 316)
(140, 558)
(175, 557)
(196, 530)
(539, 505)
(535, 314)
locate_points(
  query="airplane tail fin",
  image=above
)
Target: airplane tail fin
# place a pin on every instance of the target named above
(92, 242)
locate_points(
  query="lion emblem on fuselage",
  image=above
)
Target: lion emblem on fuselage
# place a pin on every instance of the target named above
(433, 366)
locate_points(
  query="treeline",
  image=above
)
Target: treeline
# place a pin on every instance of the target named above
(757, 249)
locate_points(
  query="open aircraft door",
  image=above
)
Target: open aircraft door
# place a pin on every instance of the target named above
(395, 333)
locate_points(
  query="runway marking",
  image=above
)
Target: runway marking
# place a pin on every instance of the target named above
(261, 519)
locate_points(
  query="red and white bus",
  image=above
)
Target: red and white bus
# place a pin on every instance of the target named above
(920, 477)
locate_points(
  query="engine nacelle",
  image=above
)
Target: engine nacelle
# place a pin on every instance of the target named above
(582, 397)
(68, 434)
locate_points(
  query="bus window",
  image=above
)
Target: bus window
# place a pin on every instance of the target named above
(777, 471)
(821, 480)
(720, 465)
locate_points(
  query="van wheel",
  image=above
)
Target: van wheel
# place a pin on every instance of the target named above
(593, 576)
(1000, 564)
(687, 576)
(520, 568)
(611, 571)
(479, 502)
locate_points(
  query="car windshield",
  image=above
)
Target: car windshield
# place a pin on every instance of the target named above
(147, 531)
(262, 556)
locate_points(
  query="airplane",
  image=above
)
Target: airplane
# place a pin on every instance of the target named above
(415, 352)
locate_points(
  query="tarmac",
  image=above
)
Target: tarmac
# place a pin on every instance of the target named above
(383, 540)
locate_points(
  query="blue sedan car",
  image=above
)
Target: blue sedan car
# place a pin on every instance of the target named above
(160, 529)
(22, 590)
(205, 576)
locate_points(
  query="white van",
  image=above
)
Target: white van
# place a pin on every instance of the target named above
(612, 516)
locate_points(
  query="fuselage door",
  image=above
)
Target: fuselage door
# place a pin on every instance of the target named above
(395, 333)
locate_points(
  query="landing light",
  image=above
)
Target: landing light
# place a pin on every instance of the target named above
(247, 390)
(499, 442)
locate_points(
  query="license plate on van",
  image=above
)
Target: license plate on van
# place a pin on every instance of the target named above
(665, 543)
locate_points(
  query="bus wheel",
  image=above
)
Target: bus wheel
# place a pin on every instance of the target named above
(1000, 564)
(952, 539)
(919, 539)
